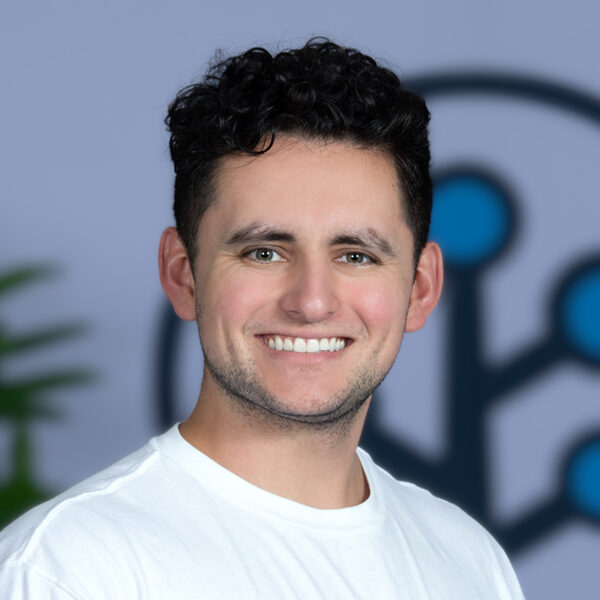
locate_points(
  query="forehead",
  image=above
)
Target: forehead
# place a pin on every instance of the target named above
(308, 185)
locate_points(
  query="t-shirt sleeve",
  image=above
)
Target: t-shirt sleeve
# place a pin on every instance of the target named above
(21, 582)
(506, 579)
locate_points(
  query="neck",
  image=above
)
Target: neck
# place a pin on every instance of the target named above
(313, 465)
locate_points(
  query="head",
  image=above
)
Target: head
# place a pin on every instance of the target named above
(321, 91)
(302, 205)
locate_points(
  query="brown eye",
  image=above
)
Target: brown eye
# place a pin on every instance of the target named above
(265, 255)
(355, 258)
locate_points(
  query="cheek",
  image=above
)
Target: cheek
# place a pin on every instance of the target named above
(381, 306)
(233, 299)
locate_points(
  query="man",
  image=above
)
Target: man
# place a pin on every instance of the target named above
(302, 206)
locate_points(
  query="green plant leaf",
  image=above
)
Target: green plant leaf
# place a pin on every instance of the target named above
(23, 400)
(15, 278)
(17, 408)
(42, 337)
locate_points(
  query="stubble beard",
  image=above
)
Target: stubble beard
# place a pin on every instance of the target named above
(247, 393)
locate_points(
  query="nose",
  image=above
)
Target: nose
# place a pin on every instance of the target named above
(310, 292)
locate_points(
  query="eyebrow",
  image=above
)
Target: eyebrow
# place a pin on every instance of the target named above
(259, 232)
(364, 238)
(367, 237)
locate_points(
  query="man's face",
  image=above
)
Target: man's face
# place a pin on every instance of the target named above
(303, 278)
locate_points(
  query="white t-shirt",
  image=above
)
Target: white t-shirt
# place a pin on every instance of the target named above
(168, 522)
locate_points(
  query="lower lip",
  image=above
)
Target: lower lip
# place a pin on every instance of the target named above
(303, 357)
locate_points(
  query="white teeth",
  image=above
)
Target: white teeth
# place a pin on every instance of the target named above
(303, 345)
(299, 345)
(312, 345)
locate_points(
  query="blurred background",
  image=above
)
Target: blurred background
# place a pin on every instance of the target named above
(495, 404)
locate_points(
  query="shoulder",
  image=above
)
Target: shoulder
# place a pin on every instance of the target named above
(441, 531)
(61, 534)
(417, 505)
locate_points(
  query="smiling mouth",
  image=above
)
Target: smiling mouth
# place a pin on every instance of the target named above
(304, 345)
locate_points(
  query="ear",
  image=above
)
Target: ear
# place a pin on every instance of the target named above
(427, 287)
(176, 274)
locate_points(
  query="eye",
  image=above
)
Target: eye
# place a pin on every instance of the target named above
(264, 255)
(356, 258)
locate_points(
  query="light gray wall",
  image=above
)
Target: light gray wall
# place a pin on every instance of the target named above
(85, 184)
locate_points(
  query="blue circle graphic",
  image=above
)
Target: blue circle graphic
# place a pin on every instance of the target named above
(584, 478)
(581, 313)
(470, 220)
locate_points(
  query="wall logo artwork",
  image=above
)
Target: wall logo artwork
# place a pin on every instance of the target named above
(476, 218)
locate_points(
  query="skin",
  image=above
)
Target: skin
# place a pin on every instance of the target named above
(307, 240)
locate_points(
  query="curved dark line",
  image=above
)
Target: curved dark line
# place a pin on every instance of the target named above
(165, 371)
(538, 523)
(479, 82)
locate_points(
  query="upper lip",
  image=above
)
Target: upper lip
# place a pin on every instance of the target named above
(306, 336)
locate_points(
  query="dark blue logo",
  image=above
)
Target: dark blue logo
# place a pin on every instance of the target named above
(474, 220)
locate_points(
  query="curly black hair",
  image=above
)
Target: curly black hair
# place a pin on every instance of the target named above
(320, 91)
